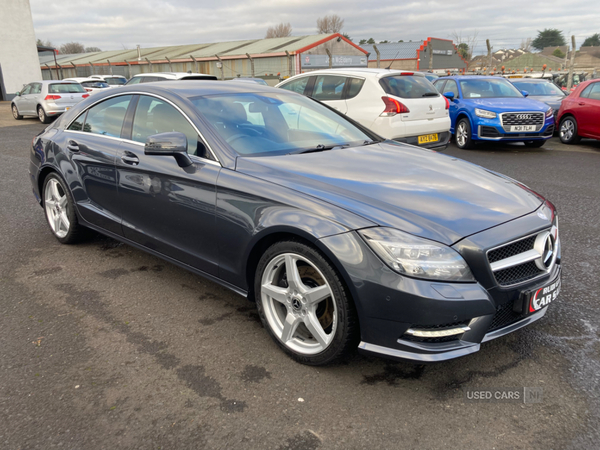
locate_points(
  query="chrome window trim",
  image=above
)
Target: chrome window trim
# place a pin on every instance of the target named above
(216, 161)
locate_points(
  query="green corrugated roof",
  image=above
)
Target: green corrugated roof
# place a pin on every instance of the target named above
(174, 52)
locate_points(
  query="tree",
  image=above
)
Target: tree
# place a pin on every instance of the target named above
(92, 49)
(384, 42)
(526, 44)
(45, 43)
(549, 37)
(330, 24)
(593, 40)
(281, 30)
(347, 36)
(401, 40)
(465, 45)
(558, 53)
(371, 41)
(71, 48)
(362, 41)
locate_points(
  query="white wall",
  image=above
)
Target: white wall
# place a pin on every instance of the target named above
(19, 61)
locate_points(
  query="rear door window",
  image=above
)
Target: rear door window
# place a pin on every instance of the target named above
(407, 86)
(329, 87)
(106, 118)
(594, 91)
(135, 80)
(298, 85)
(356, 85)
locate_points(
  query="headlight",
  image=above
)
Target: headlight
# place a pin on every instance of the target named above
(549, 113)
(417, 257)
(484, 113)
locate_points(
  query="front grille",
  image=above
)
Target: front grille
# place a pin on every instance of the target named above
(505, 315)
(509, 119)
(517, 274)
(511, 249)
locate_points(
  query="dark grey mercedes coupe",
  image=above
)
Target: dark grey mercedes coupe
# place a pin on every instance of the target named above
(343, 239)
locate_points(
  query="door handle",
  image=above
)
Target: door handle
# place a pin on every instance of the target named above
(581, 103)
(73, 146)
(130, 158)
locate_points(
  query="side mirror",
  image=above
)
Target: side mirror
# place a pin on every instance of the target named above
(525, 93)
(449, 95)
(169, 144)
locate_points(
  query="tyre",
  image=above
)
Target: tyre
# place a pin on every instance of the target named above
(15, 112)
(304, 305)
(60, 211)
(463, 134)
(42, 115)
(568, 130)
(535, 144)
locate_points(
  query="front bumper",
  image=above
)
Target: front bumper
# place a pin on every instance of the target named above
(389, 305)
(493, 130)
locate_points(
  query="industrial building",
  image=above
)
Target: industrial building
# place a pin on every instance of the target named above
(416, 55)
(266, 58)
(19, 62)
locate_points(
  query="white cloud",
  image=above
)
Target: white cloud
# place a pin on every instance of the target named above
(114, 24)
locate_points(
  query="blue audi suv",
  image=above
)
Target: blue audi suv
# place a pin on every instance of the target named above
(492, 109)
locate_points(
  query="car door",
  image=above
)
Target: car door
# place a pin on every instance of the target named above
(588, 110)
(92, 141)
(24, 102)
(451, 86)
(329, 89)
(35, 96)
(168, 208)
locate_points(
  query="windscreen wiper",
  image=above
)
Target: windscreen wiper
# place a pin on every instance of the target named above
(319, 148)
(430, 94)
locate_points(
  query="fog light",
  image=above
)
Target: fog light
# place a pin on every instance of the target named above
(437, 333)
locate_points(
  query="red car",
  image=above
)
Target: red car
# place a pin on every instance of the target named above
(579, 113)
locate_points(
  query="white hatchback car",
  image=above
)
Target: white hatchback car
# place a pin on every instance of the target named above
(92, 85)
(112, 80)
(399, 105)
(166, 76)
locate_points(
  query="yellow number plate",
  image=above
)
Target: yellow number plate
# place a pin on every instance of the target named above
(426, 138)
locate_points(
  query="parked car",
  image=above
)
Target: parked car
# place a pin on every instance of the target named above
(399, 105)
(579, 114)
(168, 76)
(46, 99)
(488, 108)
(543, 90)
(91, 85)
(111, 80)
(430, 76)
(343, 239)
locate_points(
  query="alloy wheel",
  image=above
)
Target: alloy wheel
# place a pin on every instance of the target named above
(15, 112)
(567, 129)
(298, 304)
(42, 115)
(55, 203)
(461, 135)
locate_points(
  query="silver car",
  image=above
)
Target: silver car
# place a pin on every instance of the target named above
(47, 99)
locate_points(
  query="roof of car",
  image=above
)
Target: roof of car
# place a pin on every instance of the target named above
(174, 74)
(364, 71)
(197, 88)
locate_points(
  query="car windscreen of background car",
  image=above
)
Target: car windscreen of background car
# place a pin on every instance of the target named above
(115, 81)
(541, 88)
(406, 86)
(487, 88)
(66, 88)
(264, 124)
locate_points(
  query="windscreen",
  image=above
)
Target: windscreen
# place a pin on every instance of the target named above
(265, 124)
(542, 88)
(66, 88)
(116, 81)
(489, 88)
(95, 84)
(407, 86)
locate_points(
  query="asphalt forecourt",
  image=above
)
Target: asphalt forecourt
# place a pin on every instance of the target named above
(105, 346)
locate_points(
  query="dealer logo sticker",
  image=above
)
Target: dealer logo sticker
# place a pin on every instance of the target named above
(544, 296)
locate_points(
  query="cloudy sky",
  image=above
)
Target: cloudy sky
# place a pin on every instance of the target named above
(117, 24)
